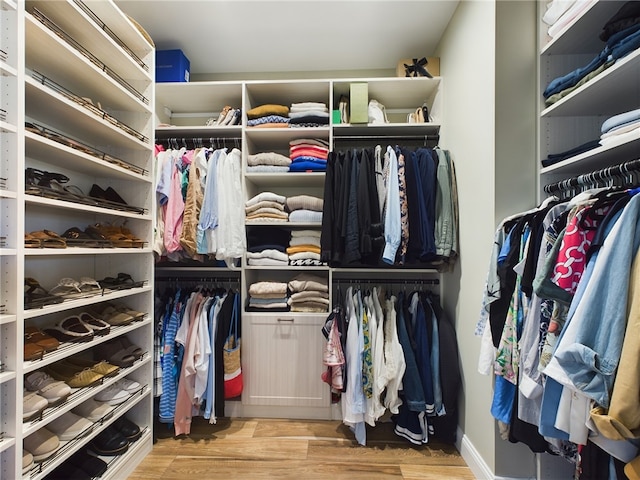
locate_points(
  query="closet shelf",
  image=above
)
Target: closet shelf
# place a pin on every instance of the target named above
(76, 23)
(8, 252)
(41, 252)
(6, 376)
(8, 5)
(7, 442)
(50, 107)
(7, 70)
(61, 155)
(7, 318)
(608, 93)
(581, 35)
(7, 127)
(75, 445)
(379, 131)
(600, 157)
(47, 53)
(83, 302)
(8, 194)
(393, 92)
(120, 461)
(286, 268)
(215, 132)
(58, 204)
(284, 224)
(188, 97)
(67, 349)
(289, 179)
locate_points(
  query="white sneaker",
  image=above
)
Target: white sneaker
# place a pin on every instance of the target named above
(54, 391)
(129, 386)
(112, 395)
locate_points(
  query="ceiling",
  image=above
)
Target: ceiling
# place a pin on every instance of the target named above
(239, 36)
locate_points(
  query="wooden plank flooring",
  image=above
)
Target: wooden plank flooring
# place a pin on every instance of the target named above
(295, 449)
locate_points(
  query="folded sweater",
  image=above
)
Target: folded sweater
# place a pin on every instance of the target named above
(305, 216)
(266, 196)
(304, 202)
(308, 281)
(264, 204)
(267, 287)
(268, 158)
(268, 109)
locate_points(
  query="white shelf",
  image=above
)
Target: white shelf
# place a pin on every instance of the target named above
(189, 97)
(608, 93)
(6, 376)
(61, 204)
(79, 395)
(286, 268)
(54, 58)
(581, 35)
(78, 25)
(83, 302)
(287, 179)
(7, 70)
(379, 131)
(7, 127)
(37, 146)
(8, 194)
(214, 132)
(41, 252)
(6, 318)
(49, 107)
(7, 442)
(8, 5)
(8, 252)
(284, 224)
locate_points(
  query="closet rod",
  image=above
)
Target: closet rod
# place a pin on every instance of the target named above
(203, 278)
(425, 281)
(376, 137)
(596, 177)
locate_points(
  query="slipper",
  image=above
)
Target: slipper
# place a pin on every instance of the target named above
(67, 288)
(114, 353)
(49, 239)
(71, 329)
(121, 282)
(137, 316)
(77, 238)
(131, 348)
(99, 326)
(31, 242)
(97, 235)
(36, 296)
(114, 317)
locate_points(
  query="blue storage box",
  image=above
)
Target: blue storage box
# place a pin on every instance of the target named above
(172, 66)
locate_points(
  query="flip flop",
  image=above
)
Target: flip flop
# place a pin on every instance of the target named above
(36, 296)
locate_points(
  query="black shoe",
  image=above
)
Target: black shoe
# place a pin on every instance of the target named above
(109, 442)
(128, 429)
(93, 466)
(67, 471)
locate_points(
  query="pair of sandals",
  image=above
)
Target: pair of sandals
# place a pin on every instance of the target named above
(79, 328)
(228, 116)
(119, 351)
(69, 288)
(44, 239)
(122, 281)
(118, 236)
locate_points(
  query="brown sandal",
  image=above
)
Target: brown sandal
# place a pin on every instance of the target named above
(49, 239)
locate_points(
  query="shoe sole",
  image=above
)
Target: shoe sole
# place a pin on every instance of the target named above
(109, 453)
(42, 457)
(28, 416)
(53, 402)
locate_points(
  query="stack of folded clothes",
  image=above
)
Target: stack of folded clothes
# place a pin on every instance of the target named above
(308, 114)
(309, 293)
(304, 248)
(270, 162)
(620, 128)
(308, 155)
(268, 296)
(268, 256)
(266, 207)
(305, 209)
(268, 116)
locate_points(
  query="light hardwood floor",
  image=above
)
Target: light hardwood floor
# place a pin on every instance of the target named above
(295, 449)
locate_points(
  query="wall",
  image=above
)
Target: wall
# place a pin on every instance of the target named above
(488, 61)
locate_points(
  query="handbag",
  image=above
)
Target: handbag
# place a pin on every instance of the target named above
(231, 357)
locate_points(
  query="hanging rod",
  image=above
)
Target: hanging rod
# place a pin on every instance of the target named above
(195, 279)
(425, 281)
(595, 177)
(383, 137)
(176, 142)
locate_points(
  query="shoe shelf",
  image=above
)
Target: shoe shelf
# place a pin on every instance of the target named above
(120, 465)
(6, 318)
(7, 194)
(39, 252)
(6, 376)
(55, 58)
(7, 70)
(8, 252)
(52, 108)
(7, 127)
(80, 395)
(83, 302)
(7, 442)
(61, 204)
(76, 19)
(68, 349)
(8, 5)
(68, 448)
(61, 156)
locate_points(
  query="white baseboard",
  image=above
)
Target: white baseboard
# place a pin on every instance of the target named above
(475, 462)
